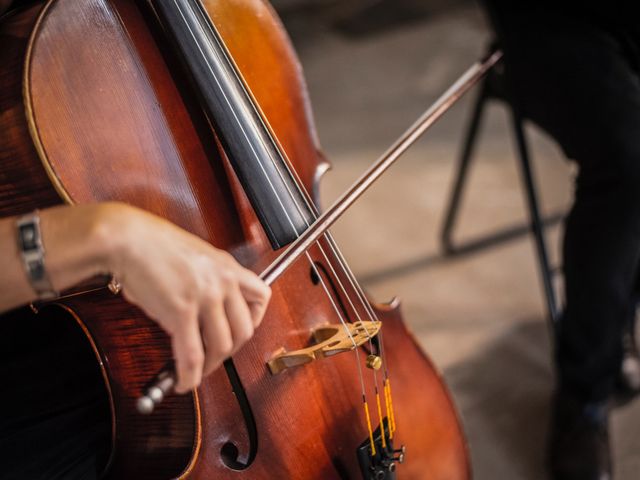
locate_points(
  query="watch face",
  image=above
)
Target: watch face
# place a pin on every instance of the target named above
(28, 237)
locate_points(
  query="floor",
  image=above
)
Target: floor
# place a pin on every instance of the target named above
(480, 316)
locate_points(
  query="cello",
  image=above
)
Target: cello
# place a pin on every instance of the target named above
(197, 112)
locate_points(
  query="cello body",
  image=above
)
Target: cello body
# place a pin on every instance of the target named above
(95, 107)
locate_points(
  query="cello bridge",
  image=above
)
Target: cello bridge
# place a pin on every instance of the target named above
(329, 340)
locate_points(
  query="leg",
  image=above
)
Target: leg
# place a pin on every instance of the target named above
(573, 81)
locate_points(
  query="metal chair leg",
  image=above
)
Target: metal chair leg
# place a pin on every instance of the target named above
(536, 224)
(453, 205)
(535, 220)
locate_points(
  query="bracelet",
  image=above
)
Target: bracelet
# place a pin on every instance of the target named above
(32, 253)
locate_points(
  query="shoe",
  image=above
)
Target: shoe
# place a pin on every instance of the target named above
(579, 440)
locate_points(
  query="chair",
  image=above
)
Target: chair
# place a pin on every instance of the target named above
(494, 88)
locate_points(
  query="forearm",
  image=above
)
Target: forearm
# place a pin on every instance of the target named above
(76, 248)
(197, 293)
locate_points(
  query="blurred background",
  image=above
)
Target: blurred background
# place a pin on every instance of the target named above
(372, 67)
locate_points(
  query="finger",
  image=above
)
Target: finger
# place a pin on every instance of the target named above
(257, 311)
(216, 335)
(256, 294)
(239, 316)
(189, 355)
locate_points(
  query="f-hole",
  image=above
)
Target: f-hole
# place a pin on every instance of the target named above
(321, 270)
(230, 453)
(315, 278)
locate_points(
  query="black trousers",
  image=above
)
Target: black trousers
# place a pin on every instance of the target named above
(578, 80)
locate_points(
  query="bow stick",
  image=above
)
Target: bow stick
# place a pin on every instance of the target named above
(164, 382)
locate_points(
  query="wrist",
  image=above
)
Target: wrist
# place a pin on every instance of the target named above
(108, 233)
(82, 241)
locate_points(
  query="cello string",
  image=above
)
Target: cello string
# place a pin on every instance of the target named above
(368, 309)
(277, 166)
(349, 274)
(360, 292)
(306, 198)
(284, 210)
(342, 262)
(267, 131)
(295, 231)
(309, 205)
(280, 173)
(387, 382)
(342, 320)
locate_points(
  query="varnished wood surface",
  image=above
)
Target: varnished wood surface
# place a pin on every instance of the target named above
(24, 184)
(109, 121)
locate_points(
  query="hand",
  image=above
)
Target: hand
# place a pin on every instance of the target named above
(206, 301)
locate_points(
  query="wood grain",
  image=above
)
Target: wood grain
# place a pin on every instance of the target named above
(113, 118)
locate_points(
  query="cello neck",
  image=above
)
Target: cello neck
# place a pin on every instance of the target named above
(256, 158)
